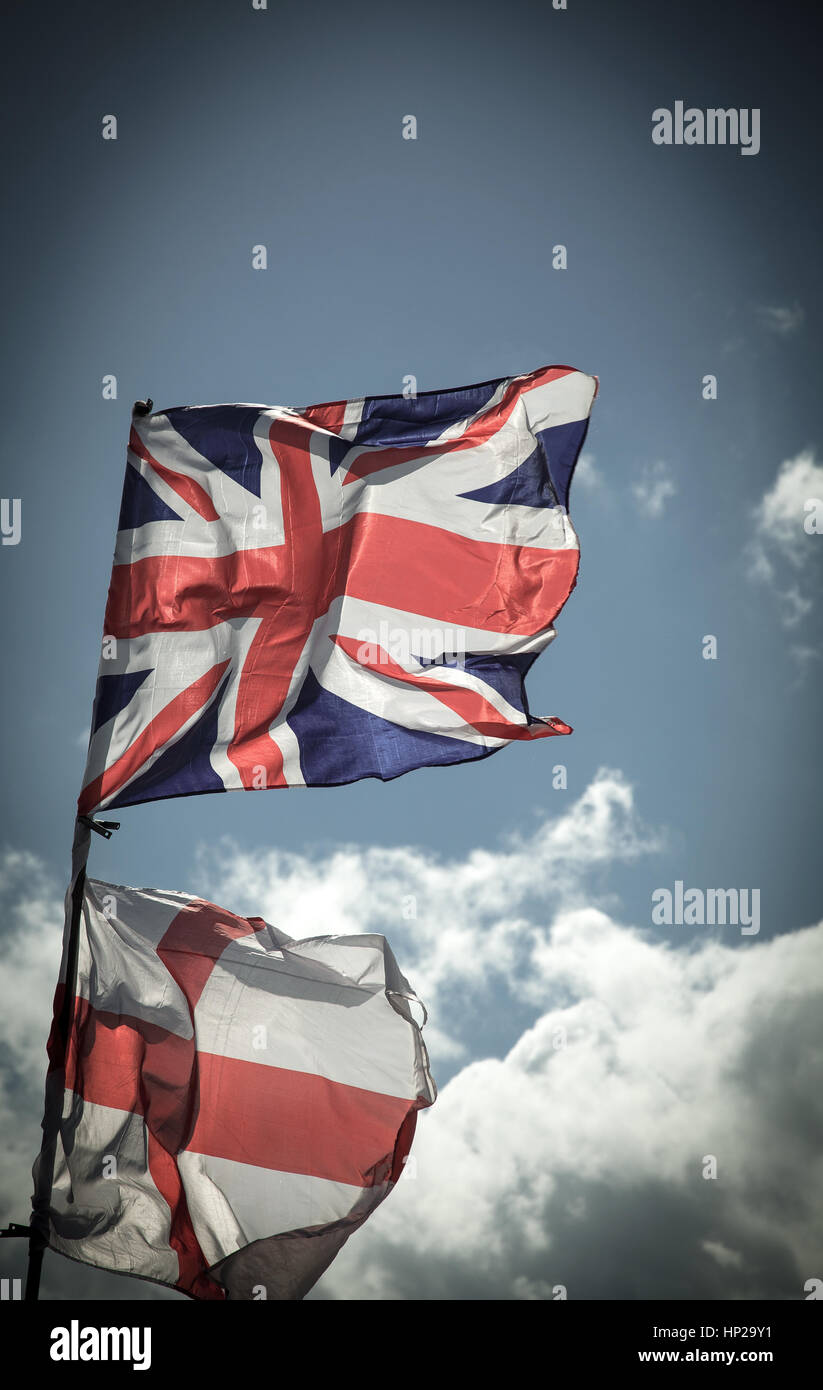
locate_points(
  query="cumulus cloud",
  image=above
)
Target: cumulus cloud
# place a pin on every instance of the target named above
(576, 1162)
(803, 655)
(781, 512)
(30, 947)
(654, 488)
(574, 1157)
(782, 319)
(460, 926)
(781, 549)
(586, 475)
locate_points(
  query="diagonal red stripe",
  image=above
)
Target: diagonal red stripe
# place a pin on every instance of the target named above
(155, 734)
(472, 707)
(487, 423)
(187, 488)
(329, 416)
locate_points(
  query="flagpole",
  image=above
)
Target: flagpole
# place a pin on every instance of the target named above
(56, 1074)
(55, 1078)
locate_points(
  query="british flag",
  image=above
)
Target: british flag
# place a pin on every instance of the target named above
(355, 589)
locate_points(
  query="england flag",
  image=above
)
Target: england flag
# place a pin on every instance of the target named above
(233, 1103)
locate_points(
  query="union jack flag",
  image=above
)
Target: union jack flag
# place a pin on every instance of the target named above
(355, 589)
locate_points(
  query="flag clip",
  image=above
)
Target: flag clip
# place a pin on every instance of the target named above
(103, 827)
(143, 407)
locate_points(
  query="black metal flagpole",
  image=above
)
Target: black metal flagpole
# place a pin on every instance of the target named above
(55, 1079)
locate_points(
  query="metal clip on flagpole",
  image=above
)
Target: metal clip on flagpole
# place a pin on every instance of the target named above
(55, 1080)
(143, 407)
(103, 827)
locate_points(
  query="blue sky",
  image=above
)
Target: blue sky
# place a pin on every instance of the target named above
(434, 257)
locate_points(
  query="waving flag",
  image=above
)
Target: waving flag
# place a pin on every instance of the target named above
(236, 1103)
(356, 589)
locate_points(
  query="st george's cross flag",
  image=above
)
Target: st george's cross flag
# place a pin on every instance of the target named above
(234, 1102)
(356, 589)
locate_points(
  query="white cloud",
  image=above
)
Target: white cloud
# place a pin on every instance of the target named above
(575, 1156)
(781, 511)
(474, 922)
(586, 475)
(796, 606)
(720, 1253)
(803, 655)
(780, 546)
(782, 319)
(583, 1166)
(30, 949)
(655, 487)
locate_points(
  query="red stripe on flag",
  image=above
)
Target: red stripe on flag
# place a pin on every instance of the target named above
(478, 430)
(403, 1145)
(191, 1262)
(329, 416)
(279, 641)
(134, 1066)
(187, 488)
(472, 707)
(374, 458)
(295, 1122)
(196, 939)
(156, 733)
(431, 571)
(106, 1054)
(270, 1117)
(453, 579)
(189, 593)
